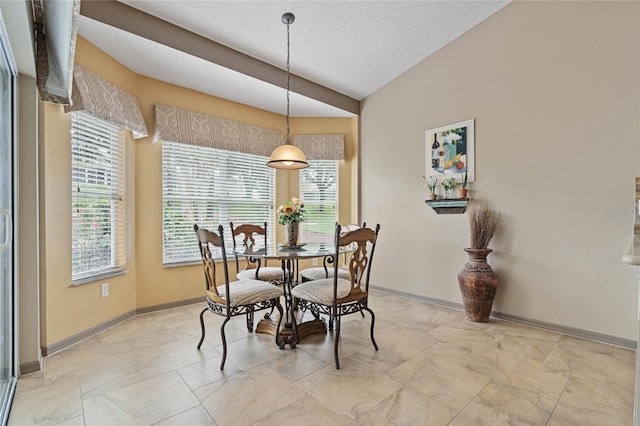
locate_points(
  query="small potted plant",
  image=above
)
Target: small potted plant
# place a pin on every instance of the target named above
(432, 184)
(462, 192)
(448, 185)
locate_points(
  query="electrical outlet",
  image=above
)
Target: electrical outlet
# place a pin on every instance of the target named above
(314, 262)
(105, 289)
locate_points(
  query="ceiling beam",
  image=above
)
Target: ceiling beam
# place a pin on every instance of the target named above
(134, 21)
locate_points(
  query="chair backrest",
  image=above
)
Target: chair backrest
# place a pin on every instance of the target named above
(249, 233)
(206, 239)
(345, 229)
(362, 242)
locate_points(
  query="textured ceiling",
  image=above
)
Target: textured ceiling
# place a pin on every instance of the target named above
(352, 47)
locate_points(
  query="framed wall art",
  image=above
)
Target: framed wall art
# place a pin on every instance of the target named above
(449, 151)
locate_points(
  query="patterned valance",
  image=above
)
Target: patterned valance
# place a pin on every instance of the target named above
(56, 29)
(175, 124)
(97, 96)
(321, 147)
(180, 125)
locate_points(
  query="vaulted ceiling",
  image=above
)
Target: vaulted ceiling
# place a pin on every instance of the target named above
(341, 51)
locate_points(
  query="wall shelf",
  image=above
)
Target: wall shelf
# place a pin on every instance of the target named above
(449, 205)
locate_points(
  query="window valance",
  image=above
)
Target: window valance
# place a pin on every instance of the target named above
(97, 96)
(56, 28)
(180, 125)
(173, 124)
(321, 147)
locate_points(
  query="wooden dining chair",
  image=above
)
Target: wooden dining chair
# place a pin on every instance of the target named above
(243, 297)
(253, 268)
(336, 296)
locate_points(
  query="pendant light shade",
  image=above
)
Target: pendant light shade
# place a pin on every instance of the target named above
(288, 156)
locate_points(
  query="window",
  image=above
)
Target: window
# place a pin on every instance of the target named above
(211, 187)
(319, 191)
(97, 197)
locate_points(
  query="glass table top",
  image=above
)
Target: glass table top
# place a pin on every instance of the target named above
(302, 251)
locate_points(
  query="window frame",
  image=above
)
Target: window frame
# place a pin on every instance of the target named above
(110, 183)
(235, 167)
(310, 202)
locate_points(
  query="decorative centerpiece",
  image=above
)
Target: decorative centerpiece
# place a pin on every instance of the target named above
(478, 282)
(291, 214)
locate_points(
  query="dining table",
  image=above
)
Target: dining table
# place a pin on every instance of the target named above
(292, 330)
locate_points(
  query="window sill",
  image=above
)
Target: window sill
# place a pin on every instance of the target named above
(194, 262)
(180, 264)
(94, 278)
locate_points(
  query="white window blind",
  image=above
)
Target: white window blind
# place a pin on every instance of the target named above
(97, 197)
(319, 191)
(211, 187)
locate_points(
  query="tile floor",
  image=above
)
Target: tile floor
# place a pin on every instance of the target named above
(434, 368)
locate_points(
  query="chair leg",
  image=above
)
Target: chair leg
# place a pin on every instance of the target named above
(250, 320)
(279, 307)
(202, 326)
(294, 323)
(336, 338)
(373, 321)
(224, 343)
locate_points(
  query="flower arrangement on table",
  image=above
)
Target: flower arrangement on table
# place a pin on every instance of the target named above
(291, 211)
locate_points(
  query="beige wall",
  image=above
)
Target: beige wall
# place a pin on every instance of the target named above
(72, 310)
(155, 283)
(554, 90)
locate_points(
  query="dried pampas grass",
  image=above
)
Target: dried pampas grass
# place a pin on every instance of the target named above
(483, 222)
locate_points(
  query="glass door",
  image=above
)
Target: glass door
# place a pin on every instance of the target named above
(8, 160)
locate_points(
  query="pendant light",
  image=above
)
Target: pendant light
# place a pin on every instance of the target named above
(288, 156)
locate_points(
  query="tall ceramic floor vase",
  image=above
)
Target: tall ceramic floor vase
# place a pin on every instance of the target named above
(478, 284)
(291, 232)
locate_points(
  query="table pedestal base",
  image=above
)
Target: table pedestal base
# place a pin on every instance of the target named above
(287, 335)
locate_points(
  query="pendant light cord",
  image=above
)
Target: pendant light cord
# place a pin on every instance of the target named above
(288, 156)
(288, 81)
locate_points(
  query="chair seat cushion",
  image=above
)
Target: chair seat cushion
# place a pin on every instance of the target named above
(246, 292)
(321, 291)
(319, 273)
(266, 273)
